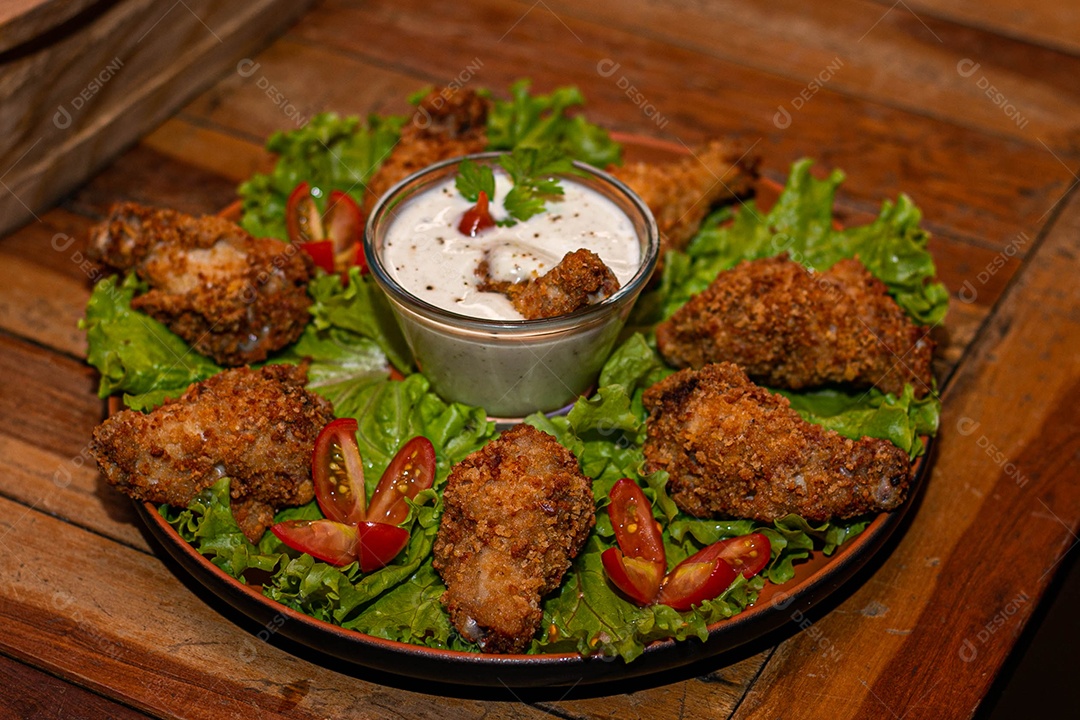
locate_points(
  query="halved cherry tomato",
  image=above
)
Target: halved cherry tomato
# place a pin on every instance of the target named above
(338, 472)
(639, 579)
(748, 553)
(698, 578)
(411, 470)
(344, 226)
(341, 226)
(476, 218)
(321, 251)
(330, 541)
(378, 544)
(709, 572)
(302, 217)
(635, 528)
(637, 566)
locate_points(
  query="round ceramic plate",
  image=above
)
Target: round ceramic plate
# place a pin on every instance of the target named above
(815, 579)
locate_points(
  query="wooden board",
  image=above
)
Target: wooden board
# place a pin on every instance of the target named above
(138, 61)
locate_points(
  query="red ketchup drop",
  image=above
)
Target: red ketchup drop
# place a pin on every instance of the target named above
(477, 217)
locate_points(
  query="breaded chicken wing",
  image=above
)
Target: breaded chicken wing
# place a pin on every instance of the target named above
(232, 297)
(257, 427)
(447, 123)
(733, 449)
(680, 194)
(788, 327)
(581, 278)
(516, 513)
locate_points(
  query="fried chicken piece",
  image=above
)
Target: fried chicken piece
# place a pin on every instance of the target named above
(581, 278)
(447, 123)
(733, 449)
(257, 427)
(680, 194)
(232, 297)
(516, 513)
(792, 328)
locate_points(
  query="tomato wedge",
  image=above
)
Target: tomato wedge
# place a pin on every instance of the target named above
(637, 566)
(411, 470)
(631, 515)
(327, 540)
(321, 251)
(302, 217)
(338, 472)
(708, 573)
(698, 578)
(476, 218)
(378, 544)
(638, 579)
(344, 226)
(748, 553)
(335, 233)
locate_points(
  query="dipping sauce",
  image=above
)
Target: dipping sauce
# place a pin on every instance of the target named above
(430, 258)
(473, 346)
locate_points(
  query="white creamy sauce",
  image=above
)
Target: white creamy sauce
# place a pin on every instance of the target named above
(429, 257)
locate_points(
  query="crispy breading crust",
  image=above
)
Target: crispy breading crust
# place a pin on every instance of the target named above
(791, 328)
(733, 449)
(580, 279)
(232, 297)
(680, 194)
(447, 123)
(258, 427)
(516, 513)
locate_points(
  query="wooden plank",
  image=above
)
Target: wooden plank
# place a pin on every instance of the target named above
(48, 465)
(1007, 466)
(890, 56)
(144, 175)
(116, 621)
(209, 149)
(138, 61)
(955, 175)
(29, 693)
(713, 694)
(1055, 25)
(290, 83)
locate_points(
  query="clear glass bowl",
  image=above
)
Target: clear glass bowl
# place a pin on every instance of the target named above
(510, 368)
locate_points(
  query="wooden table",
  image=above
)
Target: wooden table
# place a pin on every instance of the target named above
(970, 108)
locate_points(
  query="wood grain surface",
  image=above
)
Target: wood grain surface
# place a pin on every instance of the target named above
(970, 108)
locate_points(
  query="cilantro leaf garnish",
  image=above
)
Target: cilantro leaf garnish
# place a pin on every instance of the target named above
(532, 171)
(473, 179)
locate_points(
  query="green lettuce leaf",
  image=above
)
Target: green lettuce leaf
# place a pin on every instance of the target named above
(541, 121)
(134, 353)
(359, 306)
(207, 523)
(902, 421)
(329, 153)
